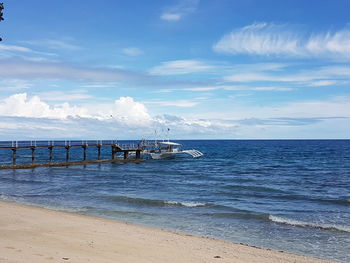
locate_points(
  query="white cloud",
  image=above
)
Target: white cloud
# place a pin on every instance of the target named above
(57, 95)
(322, 83)
(24, 117)
(335, 107)
(14, 48)
(132, 51)
(127, 110)
(26, 69)
(20, 105)
(180, 67)
(330, 43)
(261, 39)
(173, 103)
(124, 110)
(171, 16)
(270, 89)
(14, 85)
(57, 44)
(98, 85)
(203, 88)
(283, 40)
(182, 9)
(7, 51)
(236, 88)
(252, 77)
(331, 108)
(323, 76)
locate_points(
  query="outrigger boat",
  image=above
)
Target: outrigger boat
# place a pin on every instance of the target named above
(166, 149)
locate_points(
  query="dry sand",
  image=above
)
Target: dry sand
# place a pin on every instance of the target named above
(31, 234)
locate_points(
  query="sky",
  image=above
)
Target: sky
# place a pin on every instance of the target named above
(180, 69)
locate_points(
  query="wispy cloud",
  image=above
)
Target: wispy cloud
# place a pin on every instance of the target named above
(318, 76)
(25, 53)
(172, 103)
(15, 48)
(322, 83)
(132, 51)
(171, 16)
(285, 121)
(14, 85)
(98, 85)
(57, 95)
(268, 39)
(177, 12)
(57, 44)
(180, 67)
(254, 77)
(239, 88)
(21, 69)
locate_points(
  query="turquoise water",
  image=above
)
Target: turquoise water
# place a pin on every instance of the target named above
(285, 195)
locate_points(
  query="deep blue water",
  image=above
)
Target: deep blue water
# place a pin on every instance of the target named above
(285, 195)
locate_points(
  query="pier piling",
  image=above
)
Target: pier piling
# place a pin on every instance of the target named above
(98, 152)
(33, 154)
(67, 153)
(50, 151)
(126, 154)
(114, 151)
(138, 154)
(14, 150)
(14, 146)
(84, 154)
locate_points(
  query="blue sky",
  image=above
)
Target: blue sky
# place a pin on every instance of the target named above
(223, 69)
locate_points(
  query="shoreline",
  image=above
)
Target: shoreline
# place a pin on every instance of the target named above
(34, 234)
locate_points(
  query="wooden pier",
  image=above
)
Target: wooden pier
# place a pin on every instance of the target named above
(130, 152)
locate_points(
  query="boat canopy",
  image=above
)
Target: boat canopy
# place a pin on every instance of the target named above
(169, 143)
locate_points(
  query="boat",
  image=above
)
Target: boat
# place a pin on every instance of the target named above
(166, 150)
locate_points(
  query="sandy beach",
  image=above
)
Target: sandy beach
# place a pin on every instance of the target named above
(31, 234)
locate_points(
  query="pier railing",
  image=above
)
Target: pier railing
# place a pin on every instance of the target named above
(64, 143)
(133, 149)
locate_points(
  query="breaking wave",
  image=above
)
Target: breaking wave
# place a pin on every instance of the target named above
(293, 222)
(186, 204)
(152, 202)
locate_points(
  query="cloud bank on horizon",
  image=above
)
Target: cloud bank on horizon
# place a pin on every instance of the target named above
(203, 69)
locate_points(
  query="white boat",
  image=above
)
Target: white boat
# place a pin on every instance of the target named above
(166, 150)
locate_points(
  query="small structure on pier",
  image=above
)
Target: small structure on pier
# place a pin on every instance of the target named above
(126, 149)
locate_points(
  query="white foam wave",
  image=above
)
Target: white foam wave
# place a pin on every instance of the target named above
(294, 222)
(3, 197)
(9, 198)
(187, 204)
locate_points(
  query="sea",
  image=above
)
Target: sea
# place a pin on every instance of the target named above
(286, 195)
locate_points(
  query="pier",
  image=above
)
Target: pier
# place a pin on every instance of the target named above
(130, 152)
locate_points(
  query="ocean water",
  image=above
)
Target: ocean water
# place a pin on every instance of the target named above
(284, 195)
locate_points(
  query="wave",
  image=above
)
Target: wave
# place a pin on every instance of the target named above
(239, 215)
(153, 202)
(5, 197)
(283, 196)
(293, 222)
(186, 204)
(253, 188)
(12, 198)
(280, 220)
(22, 181)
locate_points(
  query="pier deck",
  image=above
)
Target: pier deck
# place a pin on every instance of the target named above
(115, 146)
